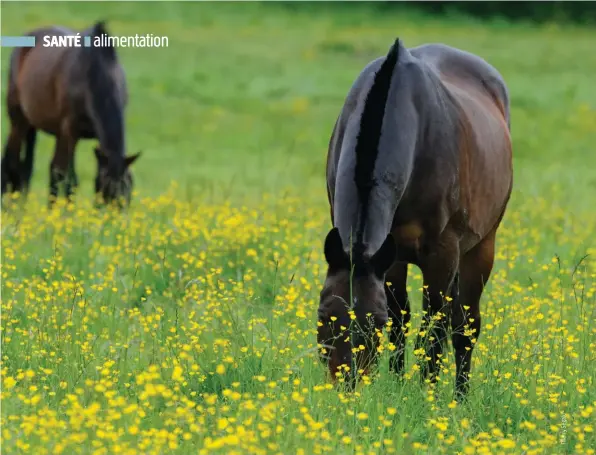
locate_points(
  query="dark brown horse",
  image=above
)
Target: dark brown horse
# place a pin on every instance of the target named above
(419, 171)
(71, 93)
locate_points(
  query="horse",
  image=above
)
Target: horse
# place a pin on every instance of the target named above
(419, 171)
(71, 93)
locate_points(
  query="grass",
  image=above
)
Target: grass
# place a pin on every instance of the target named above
(188, 324)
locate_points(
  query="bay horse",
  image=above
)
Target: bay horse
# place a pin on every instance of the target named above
(71, 93)
(419, 171)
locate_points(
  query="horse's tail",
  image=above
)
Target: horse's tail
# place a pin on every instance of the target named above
(104, 93)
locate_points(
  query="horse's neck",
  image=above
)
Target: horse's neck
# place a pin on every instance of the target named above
(111, 133)
(108, 117)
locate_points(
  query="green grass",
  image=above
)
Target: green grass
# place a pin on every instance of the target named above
(224, 267)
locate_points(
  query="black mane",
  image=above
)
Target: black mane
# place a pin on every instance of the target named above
(105, 100)
(367, 143)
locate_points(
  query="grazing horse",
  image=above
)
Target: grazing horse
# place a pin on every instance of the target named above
(71, 93)
(419, 171)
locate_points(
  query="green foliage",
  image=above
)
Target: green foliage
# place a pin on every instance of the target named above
(556, 11)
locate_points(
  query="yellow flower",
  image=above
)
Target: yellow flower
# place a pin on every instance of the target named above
(507, 443)
(9, 382)
(177, 373)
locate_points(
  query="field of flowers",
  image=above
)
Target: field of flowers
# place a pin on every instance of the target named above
(191, 329)
(187, 325)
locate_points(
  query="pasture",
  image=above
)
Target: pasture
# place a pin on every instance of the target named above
(188, 324)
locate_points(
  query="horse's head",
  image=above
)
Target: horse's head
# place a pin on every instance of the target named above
(347, 332)
(114, 182)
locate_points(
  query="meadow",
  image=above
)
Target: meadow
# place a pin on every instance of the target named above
(188, 324)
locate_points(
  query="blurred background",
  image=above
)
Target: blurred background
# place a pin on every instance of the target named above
(559, 11)
(244, 98)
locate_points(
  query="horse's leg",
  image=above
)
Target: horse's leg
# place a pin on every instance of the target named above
(27, 170)
(72, 181)
(399, 312)
(439, 268)
(475, 269)
(56, 175)
(11, 159)
(60, 163)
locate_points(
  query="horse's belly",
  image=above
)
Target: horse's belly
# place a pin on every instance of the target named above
(40, 110)
(41, 120)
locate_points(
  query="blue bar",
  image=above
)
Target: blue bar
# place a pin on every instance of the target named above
(17, 41)
(87, 41)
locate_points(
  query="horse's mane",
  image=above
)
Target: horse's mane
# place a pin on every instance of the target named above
(367, 143)
(106, 105)
(99, 29)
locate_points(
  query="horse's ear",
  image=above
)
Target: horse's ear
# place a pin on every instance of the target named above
(384, 258)
(334, 251)
(99, 28)
(101, 158)
(131, 159)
